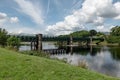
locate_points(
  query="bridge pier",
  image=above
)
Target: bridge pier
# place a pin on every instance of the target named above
(70, 41)
(39, 42)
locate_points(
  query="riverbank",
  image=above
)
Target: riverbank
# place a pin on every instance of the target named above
(16, 66)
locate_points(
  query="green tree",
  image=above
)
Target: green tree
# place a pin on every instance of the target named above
(13, 42)
(113, 39)
(3, 37)
(92, 33)
(82, 33)
(114, 36)
(115, 31)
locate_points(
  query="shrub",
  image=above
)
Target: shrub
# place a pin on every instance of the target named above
(13, 42)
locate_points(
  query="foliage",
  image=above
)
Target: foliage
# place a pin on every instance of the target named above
(113, 39)
(115, 31)
(114, 36)
(100, 34)
(13, 42)
(93, 32)
(82, 33)
(3, 37)
(16, 66)
(26, 38)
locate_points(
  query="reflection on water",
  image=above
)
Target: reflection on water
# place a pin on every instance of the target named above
(101, 59)
(45, 45)
(24, 48)
(49, 45)
(105, 60)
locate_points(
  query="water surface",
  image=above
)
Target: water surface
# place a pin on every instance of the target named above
(102, 59)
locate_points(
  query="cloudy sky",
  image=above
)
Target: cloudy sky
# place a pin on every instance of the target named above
(58, 16)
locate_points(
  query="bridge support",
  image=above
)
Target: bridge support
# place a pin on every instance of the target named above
(39, 42)
(32, 45)
(70, 41)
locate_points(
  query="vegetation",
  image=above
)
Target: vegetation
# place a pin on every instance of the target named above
(15, 66)
(13, 42)
(8, 41)
(36, 53)
(3, 37)
(92, 33)
(114, 36)
(115, 31)
(80, 34)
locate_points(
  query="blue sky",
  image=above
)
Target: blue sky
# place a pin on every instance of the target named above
(56, 17)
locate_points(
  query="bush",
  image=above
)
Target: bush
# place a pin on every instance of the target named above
(113, 39)
(13, 42)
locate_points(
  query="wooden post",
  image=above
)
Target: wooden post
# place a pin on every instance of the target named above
(39, 42)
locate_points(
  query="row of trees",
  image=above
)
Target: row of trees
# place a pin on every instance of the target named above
(14, 41)
(10, 41)
(85, 33)
(114, 36)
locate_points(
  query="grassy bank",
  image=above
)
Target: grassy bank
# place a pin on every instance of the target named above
(16, 66)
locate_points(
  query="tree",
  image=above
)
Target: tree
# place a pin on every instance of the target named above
(3, 37)
(115, 31)
(82, 33)
(13, 42)
(92, 33)
(114, 36)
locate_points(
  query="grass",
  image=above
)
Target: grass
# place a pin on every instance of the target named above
(16, 66)
(36, 53)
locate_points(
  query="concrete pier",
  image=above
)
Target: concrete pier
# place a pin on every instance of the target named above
(39, 42)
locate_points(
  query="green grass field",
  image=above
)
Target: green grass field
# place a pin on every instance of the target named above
(16, 66)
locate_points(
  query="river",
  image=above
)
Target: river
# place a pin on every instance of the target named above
(102, 59)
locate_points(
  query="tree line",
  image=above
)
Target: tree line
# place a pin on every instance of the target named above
(7, 40)
(114, 36)
(14, 41)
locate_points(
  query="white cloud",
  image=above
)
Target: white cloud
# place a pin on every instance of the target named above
(100, 27)
(3, 18)
(117, 7)
(14, 19)
(104, 28)
(98, 21)
(22, 29)
(94, 12)
(31, 9)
